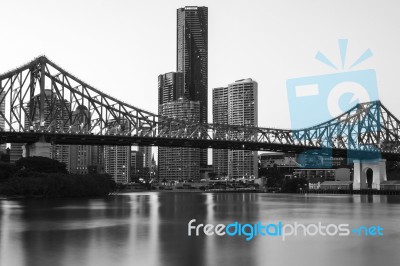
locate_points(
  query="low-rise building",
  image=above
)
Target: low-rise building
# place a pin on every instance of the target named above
(337, 185)
(390, 185)
(312, 173)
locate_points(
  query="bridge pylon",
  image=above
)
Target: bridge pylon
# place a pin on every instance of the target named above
(40, 148)
(368, 174)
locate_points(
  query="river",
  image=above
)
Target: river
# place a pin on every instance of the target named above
(151, 228)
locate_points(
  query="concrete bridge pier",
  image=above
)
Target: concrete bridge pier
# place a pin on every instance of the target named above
(368, 174)
(40, 148)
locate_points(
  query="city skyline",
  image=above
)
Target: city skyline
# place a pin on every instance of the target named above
(192, 63)
(275, 125)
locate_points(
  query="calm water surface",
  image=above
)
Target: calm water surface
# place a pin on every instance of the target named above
(151, 229)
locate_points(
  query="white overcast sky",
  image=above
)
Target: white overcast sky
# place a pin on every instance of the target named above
(121, 46)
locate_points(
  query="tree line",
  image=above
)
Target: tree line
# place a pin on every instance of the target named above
(45, 177)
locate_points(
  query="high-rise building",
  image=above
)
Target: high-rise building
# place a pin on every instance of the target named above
(172, 103)
(56, 119)
(147, 156)
(243, 111)
(96, 165)
(220, 116)
(236, 105)
(80, 155)
(176, 163)
(117, 159)
(170, 87)
(136, 166)
(192, 58)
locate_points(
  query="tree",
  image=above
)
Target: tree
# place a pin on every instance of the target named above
(212, 175)
(393, 170)
(6, 171)
(294, 184)
(41, 164)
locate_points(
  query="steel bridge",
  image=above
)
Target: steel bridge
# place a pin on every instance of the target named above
(40, 101)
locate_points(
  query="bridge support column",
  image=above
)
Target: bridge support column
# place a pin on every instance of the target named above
(362, 168)
(36, 149)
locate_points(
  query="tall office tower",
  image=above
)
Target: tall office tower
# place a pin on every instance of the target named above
(170, 87)
(96, 164)
(147, 155)
(192, 58)
(179, 163)
(53, 111)
(172, 103)
(220, 116)
(80, 155)
(136, 166)
(243, 110)
(117, 159)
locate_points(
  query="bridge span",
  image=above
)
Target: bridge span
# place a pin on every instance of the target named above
(43, 102)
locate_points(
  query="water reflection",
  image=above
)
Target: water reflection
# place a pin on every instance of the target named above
(151, 229)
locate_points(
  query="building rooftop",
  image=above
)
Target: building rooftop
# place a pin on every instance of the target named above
(391, 182)
(244, 80)
(336, 183)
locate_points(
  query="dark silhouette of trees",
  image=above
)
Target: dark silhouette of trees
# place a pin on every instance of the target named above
(293, 185)
(6, 171)
(41, 164)
(44, 177)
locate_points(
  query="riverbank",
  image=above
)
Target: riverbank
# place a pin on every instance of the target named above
(327, 192)
(352, 192)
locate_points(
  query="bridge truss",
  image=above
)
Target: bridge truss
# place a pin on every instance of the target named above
(40, 100)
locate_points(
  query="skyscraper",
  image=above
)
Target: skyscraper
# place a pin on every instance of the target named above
(176, 163)
(56, 119)
(80, 155)
(117, 159)
(220, 116)
(136, 165)
(236, 105)
(147, 156)
(243, 110)
(192, 58)
(170, 87)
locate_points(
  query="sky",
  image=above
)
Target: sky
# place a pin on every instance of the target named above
(120, 47)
